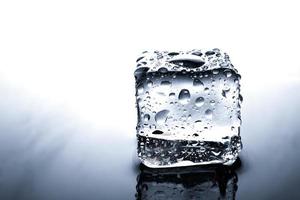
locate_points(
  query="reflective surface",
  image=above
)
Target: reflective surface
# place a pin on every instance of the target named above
(202, 182)
(47, 153)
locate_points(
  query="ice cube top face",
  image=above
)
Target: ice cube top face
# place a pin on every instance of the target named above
(187, 101)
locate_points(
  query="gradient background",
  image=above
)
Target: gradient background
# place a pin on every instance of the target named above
(67, 105)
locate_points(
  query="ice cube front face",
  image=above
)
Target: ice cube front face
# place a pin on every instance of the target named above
(188, 106)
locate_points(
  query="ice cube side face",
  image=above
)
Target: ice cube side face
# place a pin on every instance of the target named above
(188, 106)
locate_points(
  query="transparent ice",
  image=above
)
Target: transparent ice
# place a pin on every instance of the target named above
(188, 106)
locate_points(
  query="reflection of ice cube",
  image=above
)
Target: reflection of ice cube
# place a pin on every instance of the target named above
(188, 108)
(214, 182)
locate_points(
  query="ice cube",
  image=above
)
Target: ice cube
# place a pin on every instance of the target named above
(188, 107)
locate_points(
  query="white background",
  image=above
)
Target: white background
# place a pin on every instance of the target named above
(79, 56)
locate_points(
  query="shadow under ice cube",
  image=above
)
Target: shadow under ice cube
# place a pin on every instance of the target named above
(188, 107)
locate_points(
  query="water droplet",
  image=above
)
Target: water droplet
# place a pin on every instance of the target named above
(206, 90)
(166, 84)
(149, 83)
(140, 89)
(227, 73)
(184, 96)
(192, 61)
(197, 53)
(241, 98)
(208, 114)
(146, 117)
(162, 70)
(140, 58)
(209, 53)
(215, 71)
(157, 132)
(173, 54)
(202, 149)
(225, 92)
(216, 153)
(212, 102)
(198, 83)
(198, 125)
(224, 64)
(161, 116)
(139, 72)
(172, 95)
(199, 101)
